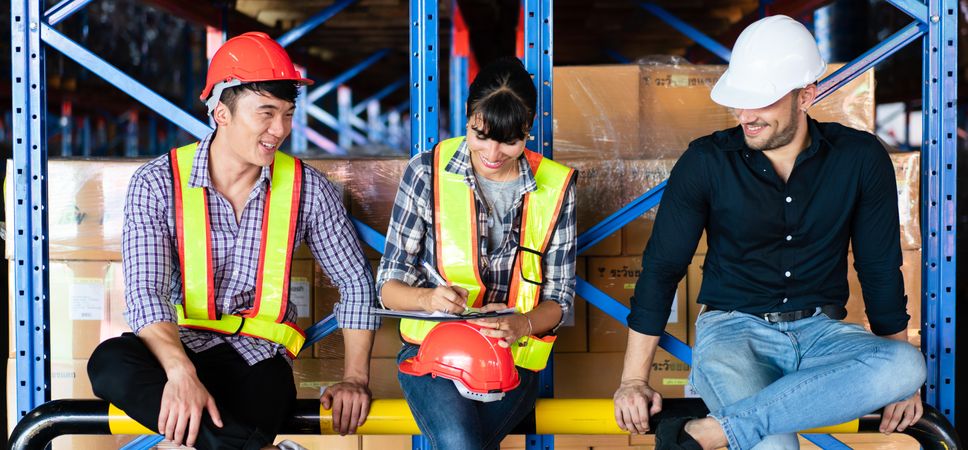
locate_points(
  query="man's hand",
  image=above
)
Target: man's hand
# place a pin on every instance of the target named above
(898, 416)
(183, 402)
(635, 402)
(350, 402)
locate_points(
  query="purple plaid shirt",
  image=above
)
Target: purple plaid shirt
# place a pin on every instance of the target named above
(152, 275)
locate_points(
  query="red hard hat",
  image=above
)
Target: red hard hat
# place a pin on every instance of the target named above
(459, 352)
(250, 57)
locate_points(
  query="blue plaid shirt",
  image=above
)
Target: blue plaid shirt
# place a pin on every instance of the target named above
(152, 275)
(410, 237)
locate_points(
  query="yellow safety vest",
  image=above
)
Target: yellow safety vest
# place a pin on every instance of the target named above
(193, 232)
(457, 238)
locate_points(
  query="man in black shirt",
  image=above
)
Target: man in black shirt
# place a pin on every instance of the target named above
(780, 197)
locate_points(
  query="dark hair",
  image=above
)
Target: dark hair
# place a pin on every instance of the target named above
(504, 96)
(282, 89)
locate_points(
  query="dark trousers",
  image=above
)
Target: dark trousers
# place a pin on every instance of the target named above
(253, 401)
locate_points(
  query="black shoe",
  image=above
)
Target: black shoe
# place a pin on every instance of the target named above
(671, 435)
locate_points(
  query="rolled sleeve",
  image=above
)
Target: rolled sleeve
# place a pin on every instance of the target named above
(876, 244)
(559, 261)
(336, 247)
(678, 226)
(407, 230)
(146, 251)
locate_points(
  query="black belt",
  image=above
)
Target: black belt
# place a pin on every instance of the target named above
(836, 312)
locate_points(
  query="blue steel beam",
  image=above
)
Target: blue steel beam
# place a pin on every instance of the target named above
(63, 10)
(313, 22)
(871, 58)
(825, 441)
(538, 51)
(620, 218)
(320, 330)
(458, 94)
(538, 61)
(380, 95)
(938, 208)
(620, 312)
(31, 273)
(614, 54)
(328, 86)
(122, 81)
(144, 442)
(699, 37)
(424, 82)
(914, 8)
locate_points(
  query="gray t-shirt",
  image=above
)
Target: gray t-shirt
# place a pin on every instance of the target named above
(501, 195)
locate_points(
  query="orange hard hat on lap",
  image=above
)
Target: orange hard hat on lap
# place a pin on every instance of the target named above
(480, 368)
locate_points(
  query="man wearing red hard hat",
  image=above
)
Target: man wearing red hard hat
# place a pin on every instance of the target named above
(209, 234)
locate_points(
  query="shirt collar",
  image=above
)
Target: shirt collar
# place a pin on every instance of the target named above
(460, 164)
(200, 176)
(732, 139)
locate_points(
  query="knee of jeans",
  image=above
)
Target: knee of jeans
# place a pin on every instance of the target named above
(907, 368)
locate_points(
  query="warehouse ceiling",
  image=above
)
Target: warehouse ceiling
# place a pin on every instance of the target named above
(584, 31)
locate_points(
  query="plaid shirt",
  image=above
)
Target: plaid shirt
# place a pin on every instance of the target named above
(410, 237)
(151, 269)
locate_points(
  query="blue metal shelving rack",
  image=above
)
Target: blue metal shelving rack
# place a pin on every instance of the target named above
(935, 23)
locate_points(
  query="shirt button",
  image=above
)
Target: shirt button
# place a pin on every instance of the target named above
(785, 299)
(789, 238)
(786, 274)
(789, 199)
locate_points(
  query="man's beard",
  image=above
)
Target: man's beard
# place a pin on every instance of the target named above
(782, 137)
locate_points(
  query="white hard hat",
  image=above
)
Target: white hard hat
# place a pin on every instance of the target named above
(772, 57)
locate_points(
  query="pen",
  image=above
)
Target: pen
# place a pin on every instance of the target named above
(441, 281)
(433, 274)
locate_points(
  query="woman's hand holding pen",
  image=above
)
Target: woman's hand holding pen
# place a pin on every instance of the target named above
(449, 299)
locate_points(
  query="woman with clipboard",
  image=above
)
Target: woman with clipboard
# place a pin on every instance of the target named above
(498, 224)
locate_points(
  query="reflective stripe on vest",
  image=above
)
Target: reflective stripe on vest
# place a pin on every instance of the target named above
(193, 233)
(457, 244)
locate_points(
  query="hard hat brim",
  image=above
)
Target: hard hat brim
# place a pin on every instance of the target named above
(299, 81)
(408, 366)
(726, 94)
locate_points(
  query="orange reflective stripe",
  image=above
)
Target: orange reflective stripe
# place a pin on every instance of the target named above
(193, 231)
(278, 237)
(193, 234)
(457, 243)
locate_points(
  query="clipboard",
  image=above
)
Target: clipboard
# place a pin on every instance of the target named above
(438, 316)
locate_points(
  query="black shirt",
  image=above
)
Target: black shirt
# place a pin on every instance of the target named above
(776, 246)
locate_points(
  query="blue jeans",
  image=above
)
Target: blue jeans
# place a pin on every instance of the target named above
(452, 422)
(764, 381)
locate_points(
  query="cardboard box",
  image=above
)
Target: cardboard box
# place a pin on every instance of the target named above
(907, 170)
(617, 277)
(911, 271)
(573, 334)
(597, 375)
(312, 375)
(301, 291)
(78, 307)
(654, 109)
(596, 111)
(387, 341)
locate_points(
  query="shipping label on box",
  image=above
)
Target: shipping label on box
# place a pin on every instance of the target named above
(78, 307)
(617, 277)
